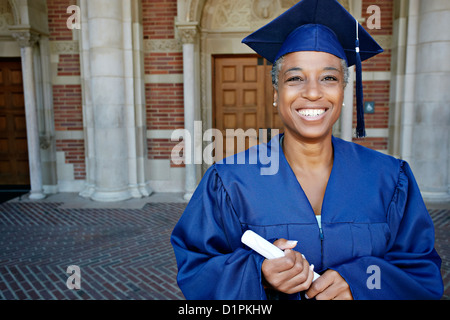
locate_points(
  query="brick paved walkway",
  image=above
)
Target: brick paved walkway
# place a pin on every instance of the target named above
(123, 253)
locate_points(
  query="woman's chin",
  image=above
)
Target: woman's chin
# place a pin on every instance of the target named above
(311, 133)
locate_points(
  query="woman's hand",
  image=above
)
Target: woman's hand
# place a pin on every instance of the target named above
(330, 286)
(289, 274)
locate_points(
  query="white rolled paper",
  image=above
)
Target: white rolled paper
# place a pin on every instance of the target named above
(264, 247)
(261, 245)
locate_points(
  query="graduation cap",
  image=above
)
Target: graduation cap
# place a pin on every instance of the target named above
(318, 25)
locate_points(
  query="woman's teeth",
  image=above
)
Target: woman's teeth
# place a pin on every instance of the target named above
(311, 112)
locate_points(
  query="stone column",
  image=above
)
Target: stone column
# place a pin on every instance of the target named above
(403, 52)
(27, 39)
(113, 100)
(46, 113)
(407, 112)
(430, 157)
(108, 99)
(347, 109)
(88, 113)
(188, 34)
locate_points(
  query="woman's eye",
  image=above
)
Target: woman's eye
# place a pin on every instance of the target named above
(293, 79)
(330, 78)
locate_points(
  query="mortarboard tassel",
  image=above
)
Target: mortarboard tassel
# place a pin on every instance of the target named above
(360, 127)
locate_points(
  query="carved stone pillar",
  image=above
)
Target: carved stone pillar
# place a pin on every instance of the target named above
(27, 39)
(188, 35)
(347, 110)
(106, 128)
(430, 133)
(113, 101)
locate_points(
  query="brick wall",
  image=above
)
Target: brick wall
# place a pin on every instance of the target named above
(165, 102)
(165, 106)
(160, 149)
(67, 105)
(377, 91)
(164, 63)
(165, 111)
(158, 18)
(381, 62)
(57, 19)
(387, 11)
(69, 65)
(159, 24)
(74, 151)
(67, 99)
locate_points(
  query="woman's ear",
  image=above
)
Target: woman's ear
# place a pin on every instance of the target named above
(275, 98)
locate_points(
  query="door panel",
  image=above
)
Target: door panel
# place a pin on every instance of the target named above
(14, 167)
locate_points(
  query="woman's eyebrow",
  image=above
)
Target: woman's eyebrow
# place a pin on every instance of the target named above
(293, 69)
(300, 69)
(331, 69)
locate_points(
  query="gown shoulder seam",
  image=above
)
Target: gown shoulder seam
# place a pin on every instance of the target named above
(227, 194)
(398, 185)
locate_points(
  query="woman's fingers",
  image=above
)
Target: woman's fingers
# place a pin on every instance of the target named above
(284, 244)
(289, 274)
(330, 286)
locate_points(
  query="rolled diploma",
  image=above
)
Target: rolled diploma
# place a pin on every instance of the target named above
(264, 247)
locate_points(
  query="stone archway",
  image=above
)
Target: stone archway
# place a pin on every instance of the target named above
(9, 14)
(190, 10)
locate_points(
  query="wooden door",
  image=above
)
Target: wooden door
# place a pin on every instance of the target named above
(14, 168)
(243, 100)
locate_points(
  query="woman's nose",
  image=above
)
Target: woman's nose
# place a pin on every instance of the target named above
(312, 91)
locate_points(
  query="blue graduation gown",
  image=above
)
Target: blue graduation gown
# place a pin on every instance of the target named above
(373, 215)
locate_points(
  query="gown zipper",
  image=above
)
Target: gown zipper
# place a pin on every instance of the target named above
(319, 224)
(321, 234)
(321, 246)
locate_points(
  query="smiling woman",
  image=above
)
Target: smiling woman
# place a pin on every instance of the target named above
(329, 204)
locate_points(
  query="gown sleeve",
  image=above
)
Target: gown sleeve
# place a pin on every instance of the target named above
(212, 263)
(410, 268)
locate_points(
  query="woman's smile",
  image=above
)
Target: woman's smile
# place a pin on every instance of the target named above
(312, 114)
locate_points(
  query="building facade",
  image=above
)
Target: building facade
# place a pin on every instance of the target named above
(93, 91)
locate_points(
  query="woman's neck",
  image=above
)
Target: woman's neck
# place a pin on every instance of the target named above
(308, 155)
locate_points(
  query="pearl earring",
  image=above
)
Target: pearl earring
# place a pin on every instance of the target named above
(275, 105)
